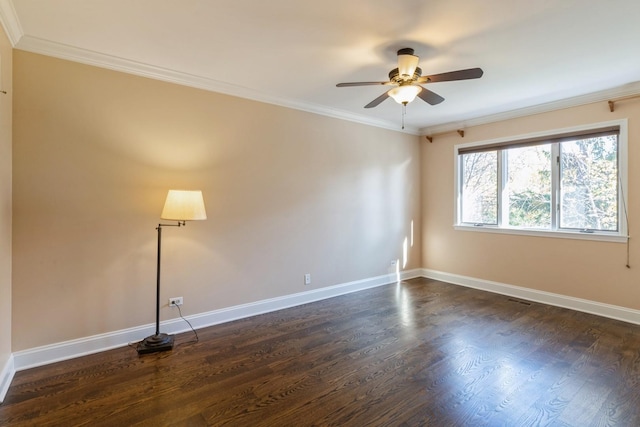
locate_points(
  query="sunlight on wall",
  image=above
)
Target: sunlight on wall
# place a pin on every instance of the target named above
(405, 253)
(411, 233)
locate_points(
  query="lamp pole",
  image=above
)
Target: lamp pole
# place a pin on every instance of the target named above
(159, 228)
(158, 341)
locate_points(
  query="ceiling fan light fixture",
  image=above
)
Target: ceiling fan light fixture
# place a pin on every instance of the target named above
(404, 94)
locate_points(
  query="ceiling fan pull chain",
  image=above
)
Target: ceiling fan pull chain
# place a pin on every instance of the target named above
(404, 111)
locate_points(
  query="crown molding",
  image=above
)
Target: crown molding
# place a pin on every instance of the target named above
(88, 57)
(10, 22)
(590, 98)
(37, 45)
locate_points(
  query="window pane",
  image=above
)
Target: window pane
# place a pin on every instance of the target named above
(588, 184)
(480, 188)
(528, 186)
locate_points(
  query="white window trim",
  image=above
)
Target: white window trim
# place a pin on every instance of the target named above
(620, 236)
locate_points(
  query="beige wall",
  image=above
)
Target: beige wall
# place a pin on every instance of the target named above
(5, 199)
(287, 193)
(584, 269)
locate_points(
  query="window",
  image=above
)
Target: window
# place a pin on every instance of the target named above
(569, 183)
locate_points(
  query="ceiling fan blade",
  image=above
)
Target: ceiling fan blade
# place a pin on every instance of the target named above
(377, 101)
(362, 84)
(429, 97)
(470, 73)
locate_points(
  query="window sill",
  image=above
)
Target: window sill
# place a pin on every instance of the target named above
(601, 237)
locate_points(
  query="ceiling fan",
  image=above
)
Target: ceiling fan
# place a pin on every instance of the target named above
(407, 79)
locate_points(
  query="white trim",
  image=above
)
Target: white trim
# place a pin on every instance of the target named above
(6, 376)
(84, 56)
(97, 59)
(10, 22)
(576, 101)
(578, 304)
(549, 133)
(576, 235)
(38, 356)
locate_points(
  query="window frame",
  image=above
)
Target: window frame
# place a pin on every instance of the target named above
(620, 236)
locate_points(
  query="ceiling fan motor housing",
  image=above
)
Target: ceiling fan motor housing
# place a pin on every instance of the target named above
(405, 51)
(394, 75)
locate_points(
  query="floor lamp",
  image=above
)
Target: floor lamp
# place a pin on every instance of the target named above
(180, 206)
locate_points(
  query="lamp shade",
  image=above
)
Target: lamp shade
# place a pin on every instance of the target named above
(404, 94)
(184, 205)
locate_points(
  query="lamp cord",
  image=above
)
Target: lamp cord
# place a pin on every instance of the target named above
(133, 344)
(189, 323)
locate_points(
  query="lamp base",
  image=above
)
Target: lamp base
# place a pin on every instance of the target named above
(155, 343)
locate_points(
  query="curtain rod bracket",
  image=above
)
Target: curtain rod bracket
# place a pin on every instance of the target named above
(612, 102)
(430, 137)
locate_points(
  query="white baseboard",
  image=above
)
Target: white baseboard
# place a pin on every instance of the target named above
(38, 356)
(6, 375)
(605, 310)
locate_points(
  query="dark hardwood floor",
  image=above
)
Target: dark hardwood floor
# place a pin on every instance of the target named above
(420, 353)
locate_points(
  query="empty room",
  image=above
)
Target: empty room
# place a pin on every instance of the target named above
(319, 213)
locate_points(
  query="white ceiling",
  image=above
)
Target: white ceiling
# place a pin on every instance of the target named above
(536, 55)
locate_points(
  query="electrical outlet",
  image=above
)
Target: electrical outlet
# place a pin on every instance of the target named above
(175, 301)
(307, 279)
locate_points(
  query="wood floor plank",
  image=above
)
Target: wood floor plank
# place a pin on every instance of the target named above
(417, 353)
